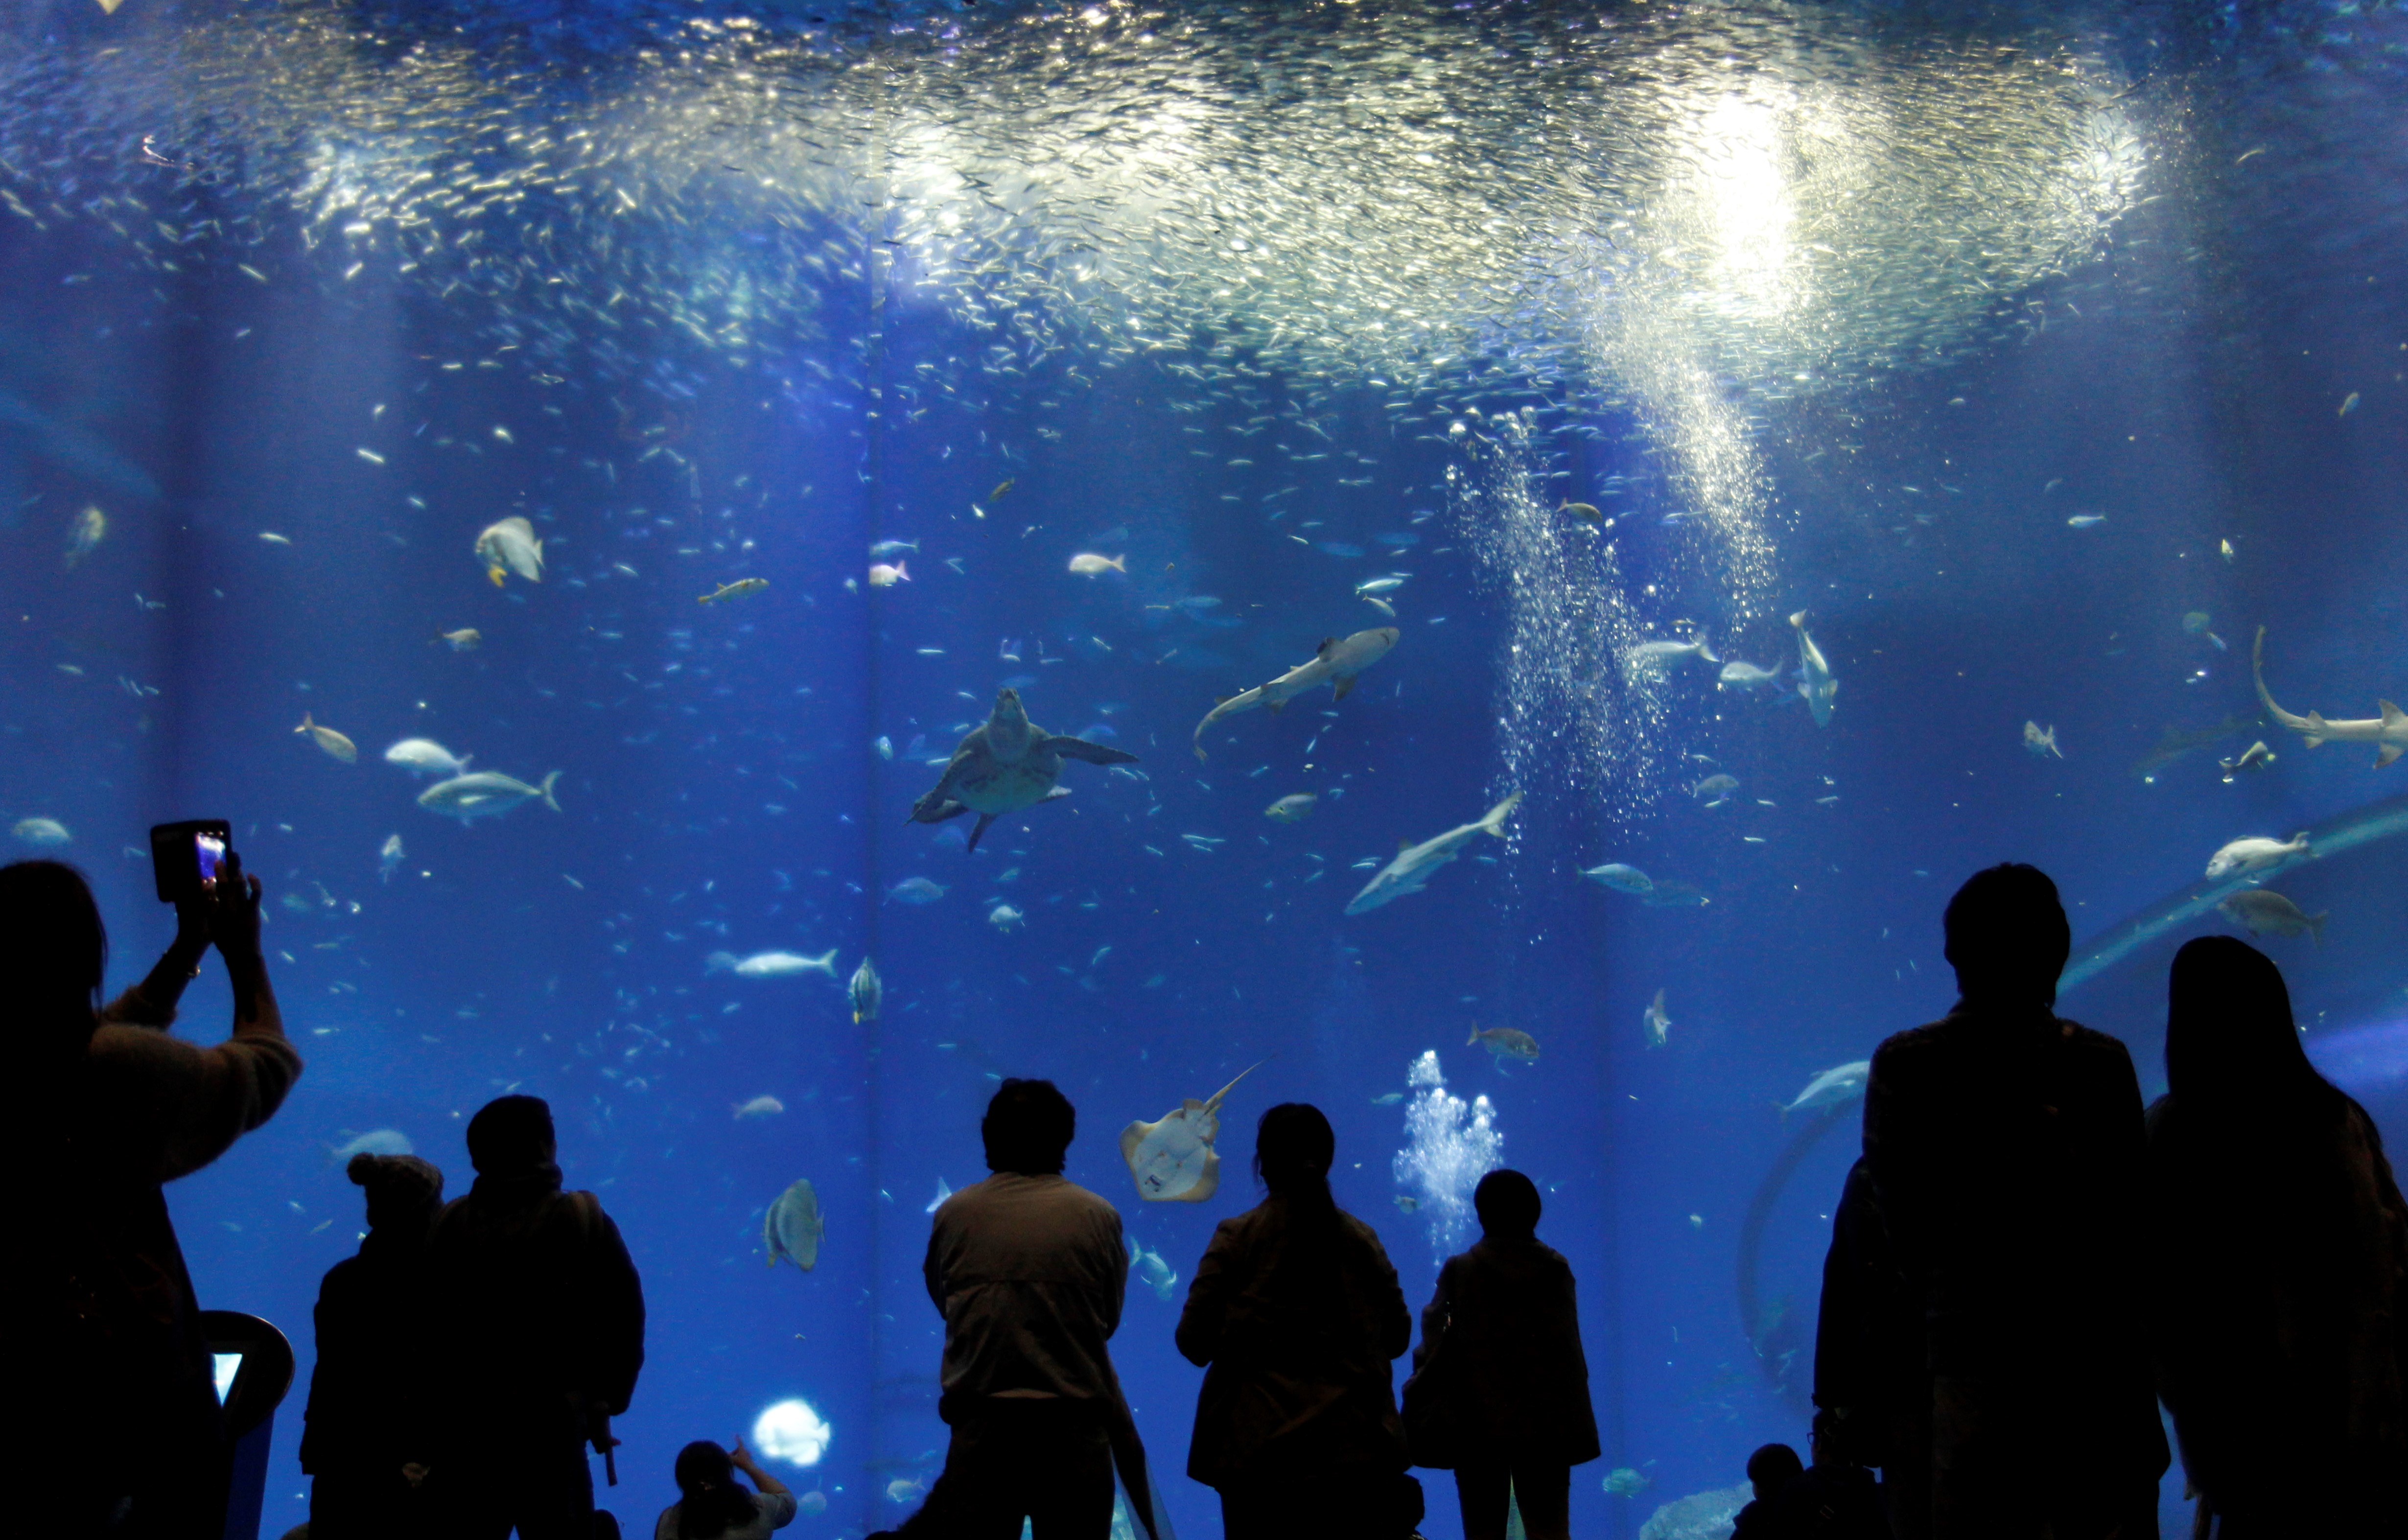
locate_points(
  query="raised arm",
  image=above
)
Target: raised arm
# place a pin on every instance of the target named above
(153, 1001)
(181, 1105)
(741, 1457)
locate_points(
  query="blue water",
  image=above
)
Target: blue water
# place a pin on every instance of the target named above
(1825, 311)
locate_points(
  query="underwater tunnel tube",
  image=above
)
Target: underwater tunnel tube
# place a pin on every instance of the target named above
(1767, 1337)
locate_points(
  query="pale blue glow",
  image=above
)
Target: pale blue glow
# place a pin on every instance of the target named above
(225, 1366)
(792, 1431)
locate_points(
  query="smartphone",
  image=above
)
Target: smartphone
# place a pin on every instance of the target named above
(186, 857)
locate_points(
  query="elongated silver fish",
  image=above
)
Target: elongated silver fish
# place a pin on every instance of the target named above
(486, 794)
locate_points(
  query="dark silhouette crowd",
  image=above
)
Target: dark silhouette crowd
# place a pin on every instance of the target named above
(2024, 1265)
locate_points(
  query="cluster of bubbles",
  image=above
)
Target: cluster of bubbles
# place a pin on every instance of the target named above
(1567, 718)
(1450, 1144)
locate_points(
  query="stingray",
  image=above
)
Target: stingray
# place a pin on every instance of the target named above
(793, 1227)
(1173, 1160)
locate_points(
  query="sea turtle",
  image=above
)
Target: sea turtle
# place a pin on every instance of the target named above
(1004, 766)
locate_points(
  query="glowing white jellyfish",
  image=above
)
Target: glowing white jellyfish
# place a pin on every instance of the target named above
(1450, 1144)
(792, 1431)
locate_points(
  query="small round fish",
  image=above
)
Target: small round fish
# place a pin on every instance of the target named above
(1088, 564)
(2261, 913)
(2254, 854)
(1621, 879)
(866, 992)
(507, 546)
(793, 1228)
(1291, 808)
(425, 756)
(1505, 1043)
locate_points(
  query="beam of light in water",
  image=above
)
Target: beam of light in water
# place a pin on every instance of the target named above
(2365, 1059)
(1567, 720)
(1429, 194)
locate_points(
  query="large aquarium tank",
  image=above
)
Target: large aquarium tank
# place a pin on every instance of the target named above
(1731, 469)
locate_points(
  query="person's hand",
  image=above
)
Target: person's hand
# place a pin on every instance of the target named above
(741, 1457)
(192, 926)
(232, 907)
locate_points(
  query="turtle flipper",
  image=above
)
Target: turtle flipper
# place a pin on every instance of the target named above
(934, 808)
(984, 818)
(1094, 753)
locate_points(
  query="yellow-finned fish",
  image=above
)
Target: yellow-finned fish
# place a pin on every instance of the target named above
(508, 544)
(736, 590)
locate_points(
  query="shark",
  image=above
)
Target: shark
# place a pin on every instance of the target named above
(1415, 865)
(1832, 1087)
(2389, 732)
(1334, 663)
(1815, 675)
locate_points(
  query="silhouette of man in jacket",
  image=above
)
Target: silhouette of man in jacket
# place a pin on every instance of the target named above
(2007, 1161)
(539, 1319)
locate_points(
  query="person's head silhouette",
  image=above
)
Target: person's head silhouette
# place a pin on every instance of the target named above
(2007, 937)
(510, 1134)
(1294, 1149)
(1029, 1128)
(54, 946)
(1508, 1205)
(2230, 1041)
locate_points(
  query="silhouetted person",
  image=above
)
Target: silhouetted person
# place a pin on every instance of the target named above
(1770, 1469)
(714, 1505)
(1830, 1500)
(118, 1429)
(1029, 1272)
(2007, 1160)
(368, 1410)
(1295, 1310)
(1869, 1374)
(1510, 1387)
(2279, 1246)
(539, 1333)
